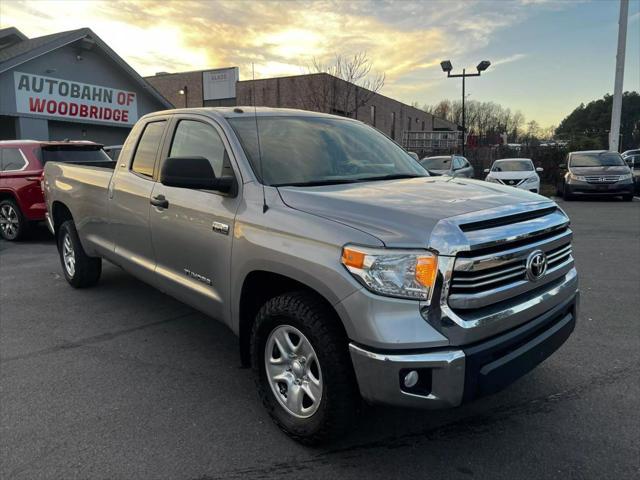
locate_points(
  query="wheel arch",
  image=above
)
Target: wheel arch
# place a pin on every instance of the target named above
(257, 288)
(60, 213)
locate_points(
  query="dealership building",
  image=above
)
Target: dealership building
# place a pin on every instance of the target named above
(318, 92)
(69, 85)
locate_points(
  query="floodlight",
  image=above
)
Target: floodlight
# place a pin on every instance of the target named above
(483, 65)
(446, 66)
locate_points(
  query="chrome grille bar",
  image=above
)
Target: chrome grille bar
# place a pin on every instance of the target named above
(480, 280)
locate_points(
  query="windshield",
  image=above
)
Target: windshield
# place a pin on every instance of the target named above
(68, 154)
(313, 151)
(602, 159)
(436, 163)
(513, 166)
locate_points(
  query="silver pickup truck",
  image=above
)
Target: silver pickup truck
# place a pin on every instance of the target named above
(345, 270)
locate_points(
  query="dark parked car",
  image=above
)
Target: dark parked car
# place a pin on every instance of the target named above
(451, 165)
(595, 172)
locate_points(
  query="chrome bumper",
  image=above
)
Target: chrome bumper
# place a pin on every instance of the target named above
(452, 376)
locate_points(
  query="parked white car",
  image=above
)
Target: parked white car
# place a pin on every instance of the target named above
(515, 172)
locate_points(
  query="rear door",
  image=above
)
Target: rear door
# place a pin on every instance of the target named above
(129, 195)
(192, 236)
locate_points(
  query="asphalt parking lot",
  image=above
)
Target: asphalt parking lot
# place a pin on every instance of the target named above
(121, 381)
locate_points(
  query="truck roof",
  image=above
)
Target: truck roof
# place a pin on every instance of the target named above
(241, 111)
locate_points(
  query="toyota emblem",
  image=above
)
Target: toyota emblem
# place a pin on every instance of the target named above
(536, 265)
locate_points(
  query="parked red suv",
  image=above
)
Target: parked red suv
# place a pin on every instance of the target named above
(21, 166)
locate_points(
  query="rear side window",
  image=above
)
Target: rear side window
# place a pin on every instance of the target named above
(11, 159)
(197, 139)
(145, 156)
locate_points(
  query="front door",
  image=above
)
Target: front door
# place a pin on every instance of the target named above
(192, 233)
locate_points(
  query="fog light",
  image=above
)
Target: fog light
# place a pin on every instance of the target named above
(411, 379)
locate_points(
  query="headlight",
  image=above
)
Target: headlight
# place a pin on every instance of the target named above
(626, 176)
(531, 180)
(393, 273)
(580, 178)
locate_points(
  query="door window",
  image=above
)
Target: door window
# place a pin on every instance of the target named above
(145, 156)
(11, 159)
(457, 163)
(197, 139)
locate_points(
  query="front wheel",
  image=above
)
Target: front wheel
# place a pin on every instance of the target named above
(79, 269)
(303, 369)
(566, 193)
(627, 198)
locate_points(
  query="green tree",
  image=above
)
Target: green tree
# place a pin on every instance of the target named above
(587, 127)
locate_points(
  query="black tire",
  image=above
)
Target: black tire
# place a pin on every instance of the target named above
(86, 270)
(627, 198)
(559, 191)
(340, 397)
(18, 226)
(566, 194)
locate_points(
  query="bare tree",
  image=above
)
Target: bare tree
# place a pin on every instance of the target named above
(353, 84)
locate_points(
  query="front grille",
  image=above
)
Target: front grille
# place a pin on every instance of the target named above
(602, 178)
(487, 276)
(511, 182)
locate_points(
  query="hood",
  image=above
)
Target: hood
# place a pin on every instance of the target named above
(513, 175)
(402, 213)
(619, 170)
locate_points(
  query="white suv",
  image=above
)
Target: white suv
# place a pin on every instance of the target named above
(515, 172)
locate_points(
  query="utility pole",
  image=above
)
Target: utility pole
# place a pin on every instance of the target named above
(616, 109)
(464, 127)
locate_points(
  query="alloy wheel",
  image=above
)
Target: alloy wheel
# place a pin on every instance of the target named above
(68, 256)
(293, 371)
(9, 222)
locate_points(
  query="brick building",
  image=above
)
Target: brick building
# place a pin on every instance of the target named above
(317, 92)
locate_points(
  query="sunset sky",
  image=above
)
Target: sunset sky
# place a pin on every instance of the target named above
(547, 56)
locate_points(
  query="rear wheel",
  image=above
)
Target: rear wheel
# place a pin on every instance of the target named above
(303, 369)
(627, 198)
(13, 224)
(79, 269)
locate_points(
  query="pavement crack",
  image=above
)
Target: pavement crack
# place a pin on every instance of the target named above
(90, 340)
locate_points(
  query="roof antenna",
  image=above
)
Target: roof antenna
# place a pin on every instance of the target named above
(265, 207)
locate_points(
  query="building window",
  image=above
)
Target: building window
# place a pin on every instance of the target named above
(393, 125)
(409, 125)
(373, 115)
(423, 125)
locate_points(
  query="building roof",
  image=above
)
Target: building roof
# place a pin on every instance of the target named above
(10, 36)
(29, 48)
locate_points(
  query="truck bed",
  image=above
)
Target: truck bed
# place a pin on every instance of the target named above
(83, 189)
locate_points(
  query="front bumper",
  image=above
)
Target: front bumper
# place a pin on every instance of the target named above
(449, 377)
(613, 189)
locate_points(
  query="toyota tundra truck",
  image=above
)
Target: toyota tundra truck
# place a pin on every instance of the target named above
(346, 270)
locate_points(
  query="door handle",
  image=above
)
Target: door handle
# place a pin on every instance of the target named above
(159, 201)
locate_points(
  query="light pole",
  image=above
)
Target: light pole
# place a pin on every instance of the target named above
(447, 67)
(184, 91)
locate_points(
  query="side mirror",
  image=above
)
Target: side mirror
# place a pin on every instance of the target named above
(486, 170)
(539, 169)
(194, 173)
(414, 155)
